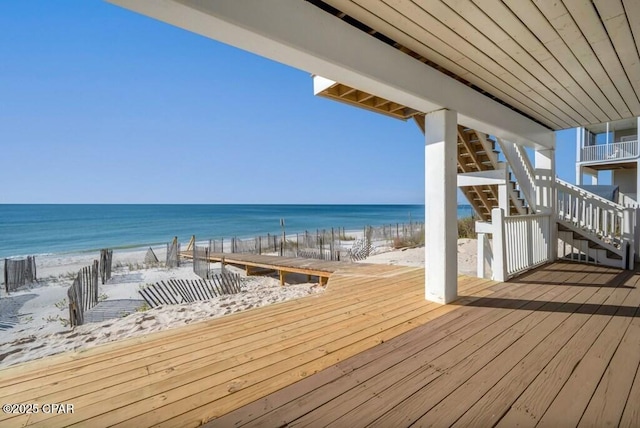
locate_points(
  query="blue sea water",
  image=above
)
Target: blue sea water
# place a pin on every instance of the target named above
(46, 229)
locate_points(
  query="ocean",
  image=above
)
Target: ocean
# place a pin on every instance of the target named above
(52, 229)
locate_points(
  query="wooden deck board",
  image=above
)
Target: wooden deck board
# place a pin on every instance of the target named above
(529, 328)
(520, 372)
(543, 390)
(439, 327)
(368, 350)
(225, 328)
(462, 324)
(369, 383)
(118, 376)
(572, 400)
(487, 410)
(474, 378)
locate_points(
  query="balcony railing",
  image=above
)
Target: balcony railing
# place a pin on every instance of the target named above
(610, 152)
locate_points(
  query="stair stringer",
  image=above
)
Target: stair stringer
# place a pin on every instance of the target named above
(580, 250)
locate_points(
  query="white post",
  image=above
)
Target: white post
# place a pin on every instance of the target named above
(480, 261)
(441, 229)
(580, 137)
(546, 192)
(503, 198)
(499, 266)
(579, 175)
(628, 236)
(637, 198)
(636, 232)
(580, 133)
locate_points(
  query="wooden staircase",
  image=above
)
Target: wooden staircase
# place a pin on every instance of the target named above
(575, 246)
(477, 152)
(592, 229)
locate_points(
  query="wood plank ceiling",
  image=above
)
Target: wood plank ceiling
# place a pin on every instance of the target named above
(563, 63)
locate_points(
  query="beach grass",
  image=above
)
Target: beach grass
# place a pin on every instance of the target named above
(467, 228)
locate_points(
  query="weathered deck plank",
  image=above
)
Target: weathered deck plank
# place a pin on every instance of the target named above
(282, 407)
(490, 408)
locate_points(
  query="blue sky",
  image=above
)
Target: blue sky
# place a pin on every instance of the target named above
(102, 105)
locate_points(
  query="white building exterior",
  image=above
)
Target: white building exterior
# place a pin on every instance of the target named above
(611, 146)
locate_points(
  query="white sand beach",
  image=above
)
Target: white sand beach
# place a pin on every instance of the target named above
(34, 319)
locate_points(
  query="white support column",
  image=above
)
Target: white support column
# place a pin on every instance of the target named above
(481, 243)
(628, 233)
(636, 226)
(503, 198)
(545, 180)
(637, 178)
(441, 226)
(579, 175)
(499, 267)
(580, 134)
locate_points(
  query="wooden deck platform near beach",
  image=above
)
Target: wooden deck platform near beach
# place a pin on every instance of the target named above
(558, 346)
(283, 265)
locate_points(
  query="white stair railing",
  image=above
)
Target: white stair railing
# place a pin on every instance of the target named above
(522, 169)
(520, 243)
(605, 222)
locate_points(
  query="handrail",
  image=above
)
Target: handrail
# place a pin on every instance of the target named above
(520, 243)
(603, 221)
(608, 152)
(627, 201)
(586, 194)
(527, 241)
(522, 169)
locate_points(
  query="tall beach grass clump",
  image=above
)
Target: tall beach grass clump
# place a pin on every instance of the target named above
(466, 229)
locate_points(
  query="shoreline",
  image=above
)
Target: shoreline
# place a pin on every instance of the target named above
(158, 246)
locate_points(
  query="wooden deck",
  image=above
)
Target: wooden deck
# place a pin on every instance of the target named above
(283, 265)
(557, 347)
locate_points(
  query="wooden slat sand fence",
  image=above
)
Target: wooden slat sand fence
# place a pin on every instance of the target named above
(106, 257)
(201, 261)
(173, 254)
(19, 272)
(360, 250)
(150, 257)
(83, 294)
(323, 244)
(176, 291)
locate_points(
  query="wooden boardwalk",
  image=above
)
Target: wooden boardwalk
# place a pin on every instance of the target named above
(557, 347)
(283, 265)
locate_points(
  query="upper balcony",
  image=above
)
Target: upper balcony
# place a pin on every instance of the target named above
(626, 149)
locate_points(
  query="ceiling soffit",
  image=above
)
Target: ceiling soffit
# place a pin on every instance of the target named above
(561, 63)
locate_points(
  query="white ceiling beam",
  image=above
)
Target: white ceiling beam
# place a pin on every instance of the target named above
(493, 177)
(303, 36)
